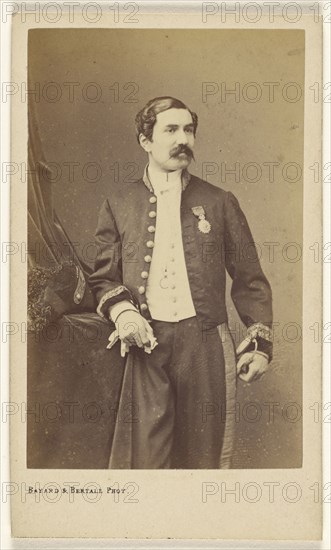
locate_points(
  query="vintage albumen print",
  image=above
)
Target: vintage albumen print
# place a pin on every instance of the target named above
(168, 268)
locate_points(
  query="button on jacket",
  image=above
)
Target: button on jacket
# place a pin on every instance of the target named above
(125, 239)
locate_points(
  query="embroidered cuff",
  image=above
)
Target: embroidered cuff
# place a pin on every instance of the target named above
(259, 338)
(109, 295)
(258, 329)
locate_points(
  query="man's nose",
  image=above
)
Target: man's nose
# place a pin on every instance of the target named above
(182, 138)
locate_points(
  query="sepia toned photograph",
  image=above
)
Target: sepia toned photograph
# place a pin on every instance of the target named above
(165, 248)
(166, 261)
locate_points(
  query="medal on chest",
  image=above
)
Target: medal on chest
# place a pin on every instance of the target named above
(203, 224)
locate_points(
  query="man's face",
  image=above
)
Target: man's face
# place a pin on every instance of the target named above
(172, 140)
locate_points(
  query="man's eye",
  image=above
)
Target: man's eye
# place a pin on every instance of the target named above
(189, 130)
(171, 130)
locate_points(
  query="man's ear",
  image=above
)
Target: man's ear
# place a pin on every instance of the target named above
(145, 143)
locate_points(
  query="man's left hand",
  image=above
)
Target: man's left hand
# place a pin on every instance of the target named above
(251, 366)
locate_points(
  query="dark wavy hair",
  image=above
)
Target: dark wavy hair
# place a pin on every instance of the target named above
(146, 118)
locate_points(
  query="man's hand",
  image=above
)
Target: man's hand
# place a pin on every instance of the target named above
(251, 366)
(134, 329)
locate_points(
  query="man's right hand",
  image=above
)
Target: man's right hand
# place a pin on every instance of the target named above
(133, 328)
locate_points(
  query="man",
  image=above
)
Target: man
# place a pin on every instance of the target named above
(164, 245)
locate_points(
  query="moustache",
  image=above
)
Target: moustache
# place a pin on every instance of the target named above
(182, 149)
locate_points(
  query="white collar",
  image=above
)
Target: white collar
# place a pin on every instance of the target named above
(162, 181)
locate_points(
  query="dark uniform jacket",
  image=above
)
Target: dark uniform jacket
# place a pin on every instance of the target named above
(125, 236)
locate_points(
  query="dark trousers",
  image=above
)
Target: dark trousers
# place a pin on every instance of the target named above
(177, 400)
